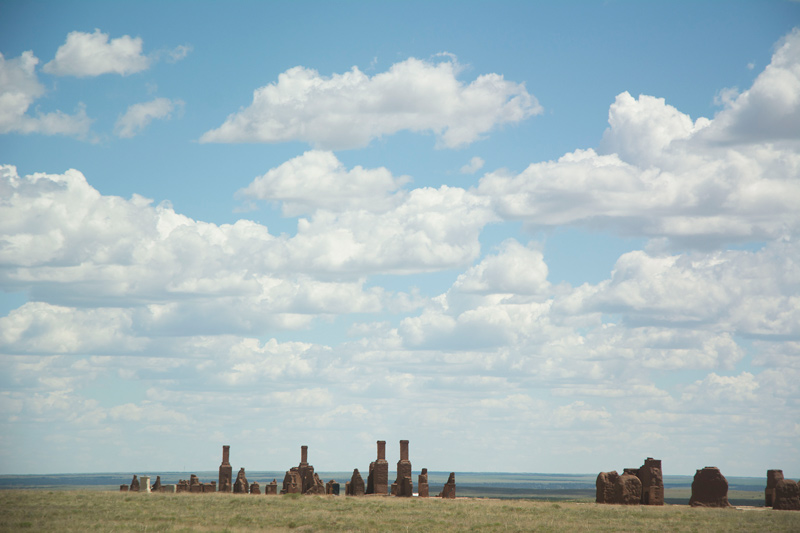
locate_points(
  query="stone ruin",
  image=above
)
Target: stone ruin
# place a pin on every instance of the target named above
(785, 493)
(241, 486)
(422, 483)
(302, 479)
(403, 486)
(146, 482)
(449, 489)
(709, 488)
(225, 471)
(378, 478)
(157, 485)
(773, 476)
(355, 487)
(605, 486)
(134, 484)
(643, 485)
(332, 487)
(195, 486)
(255, 488)
(271, 488)
(628, 489)
(652, 482)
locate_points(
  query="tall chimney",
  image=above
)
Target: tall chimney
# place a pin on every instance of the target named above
(303, 454)
(226, 454)
(404, 450)
(381, 450)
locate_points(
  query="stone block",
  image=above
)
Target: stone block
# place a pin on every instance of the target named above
(787, 496)
(709, 488)
(604, 484)
(628, 490)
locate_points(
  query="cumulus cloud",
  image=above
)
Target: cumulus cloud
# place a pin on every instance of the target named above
(92, 54)
(318, 180)
(139, 116)
(770, 109)
(349, 110)
(19, 88)
(666, 186)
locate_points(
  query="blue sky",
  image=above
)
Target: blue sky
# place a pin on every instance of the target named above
(517, 234)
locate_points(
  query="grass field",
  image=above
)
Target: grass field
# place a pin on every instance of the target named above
(62, 511)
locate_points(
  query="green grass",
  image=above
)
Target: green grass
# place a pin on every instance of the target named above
(65, 511)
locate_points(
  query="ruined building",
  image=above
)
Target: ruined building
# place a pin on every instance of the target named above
(773, 476)
(302, 479)
(449, 489)
(787, 496)
(652, 482)
(709, 488)
(403, 485)
(628, 489)
(225, 471)
(378, 478)
(354, 487)
(647, 488)
(241, 486)
(422, 483)
(605, 486)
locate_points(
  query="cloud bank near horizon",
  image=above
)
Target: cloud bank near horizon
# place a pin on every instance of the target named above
(123, 291)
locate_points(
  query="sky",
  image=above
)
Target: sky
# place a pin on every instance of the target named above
(525, 236)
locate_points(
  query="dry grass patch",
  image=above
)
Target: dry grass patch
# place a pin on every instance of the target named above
(65, 511)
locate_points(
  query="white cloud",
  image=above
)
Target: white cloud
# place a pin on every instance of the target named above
(139, 116)
(350, 110)
(770, 109)
(642, 129)
(697, 195)
(318, 180)
(19, 88)
(92, 54)
(474, 165)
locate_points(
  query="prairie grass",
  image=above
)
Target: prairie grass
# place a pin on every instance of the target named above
(65, 511)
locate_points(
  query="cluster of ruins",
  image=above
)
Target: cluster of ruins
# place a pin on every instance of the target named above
(636, 486)
(302, 479)
(643, 485)
(782, 494)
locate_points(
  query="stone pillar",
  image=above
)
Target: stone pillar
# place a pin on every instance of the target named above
(145, 481)
(773, 476)
(381, 470)
(401, 487)
(225, 483)
(422, 483)
(303, 455)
